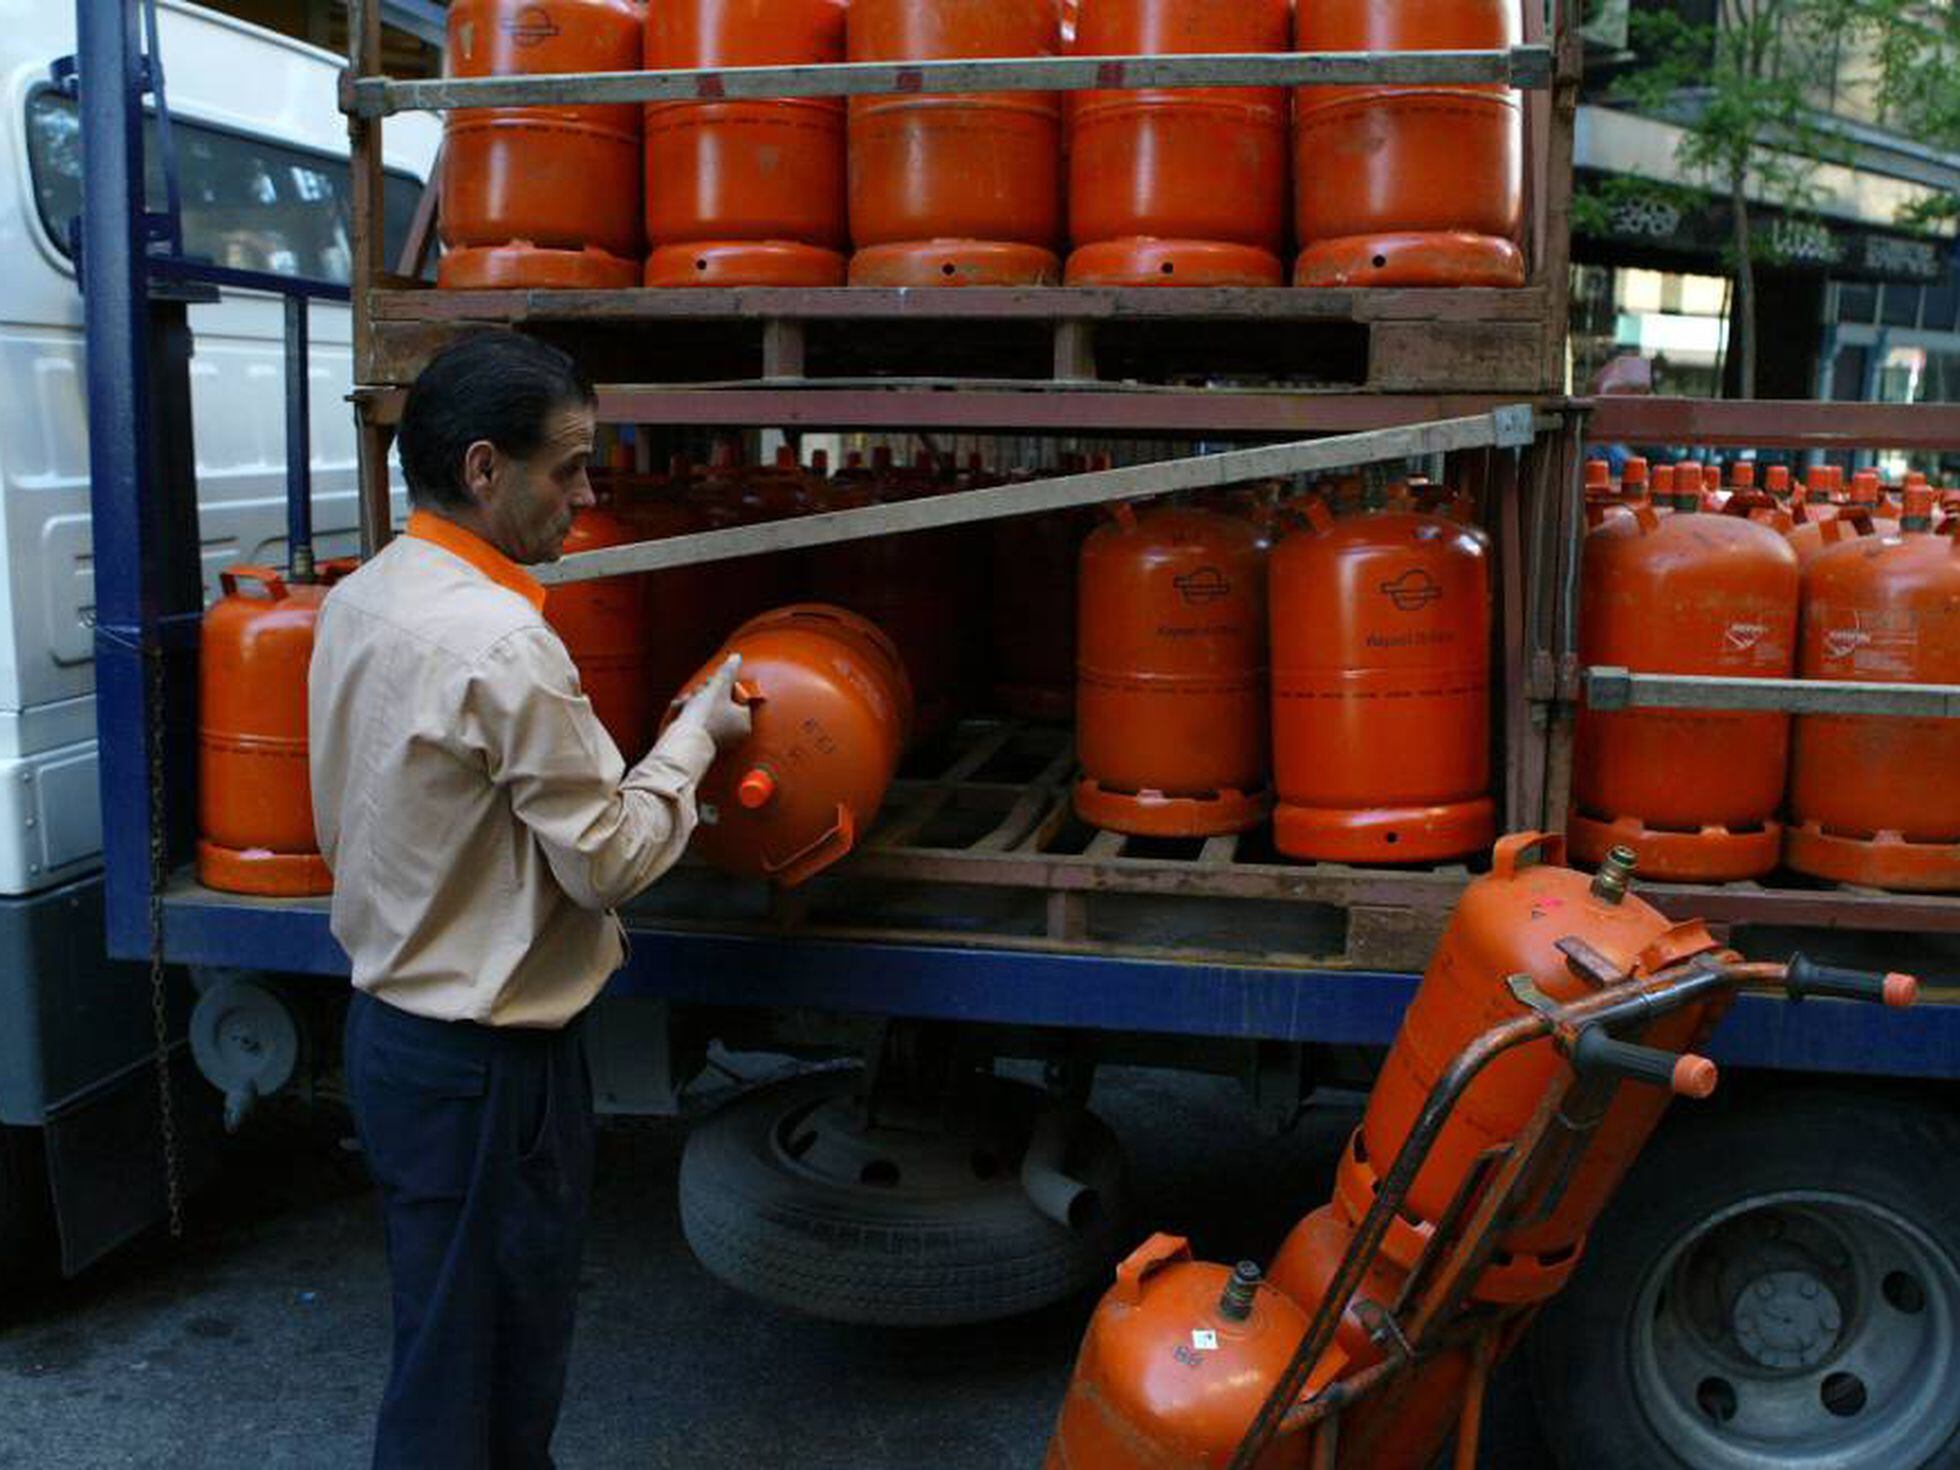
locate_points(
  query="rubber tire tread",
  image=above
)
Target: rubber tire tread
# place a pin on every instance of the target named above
(1884, 1146)
(862, 1257)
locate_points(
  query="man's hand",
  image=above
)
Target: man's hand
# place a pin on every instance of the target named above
(714, 710)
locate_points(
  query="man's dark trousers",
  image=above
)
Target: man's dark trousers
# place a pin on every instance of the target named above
(480, 1139)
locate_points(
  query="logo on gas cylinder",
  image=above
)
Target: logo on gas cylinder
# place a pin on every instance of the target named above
(531, 26)
(1843, 642)
(1413, 591)
(1207, 584)
(1741, 637)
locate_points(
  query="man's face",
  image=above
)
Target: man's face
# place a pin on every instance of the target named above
(526, 505)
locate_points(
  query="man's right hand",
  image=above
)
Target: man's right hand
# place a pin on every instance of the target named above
(714, 710)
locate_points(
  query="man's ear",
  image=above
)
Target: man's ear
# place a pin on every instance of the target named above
(479, 469)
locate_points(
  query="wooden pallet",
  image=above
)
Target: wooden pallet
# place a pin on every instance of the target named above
(978, 844)
(1373, 341)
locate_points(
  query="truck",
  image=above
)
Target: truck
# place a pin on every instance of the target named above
(982, 934)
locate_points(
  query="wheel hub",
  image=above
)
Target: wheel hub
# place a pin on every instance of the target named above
(1787, 1319)
(1800, 1331)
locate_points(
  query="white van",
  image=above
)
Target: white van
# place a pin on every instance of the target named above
(261, 153)
(262, 166)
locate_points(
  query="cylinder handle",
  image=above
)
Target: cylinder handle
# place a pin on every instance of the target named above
(1145, 1261)
(1519, 850)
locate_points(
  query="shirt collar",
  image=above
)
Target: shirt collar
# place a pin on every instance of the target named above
(426, 526)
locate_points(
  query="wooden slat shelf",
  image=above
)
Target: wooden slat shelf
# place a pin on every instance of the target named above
(1371, 341)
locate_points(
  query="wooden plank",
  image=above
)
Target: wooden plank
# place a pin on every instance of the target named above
(1105, 844)
(1075, 352)
(782, 349)
(1434, 355)
(968, 407)
(971, 303)
(1517, 66)
(1383, 938)
(1767, 422)
(1219, 851)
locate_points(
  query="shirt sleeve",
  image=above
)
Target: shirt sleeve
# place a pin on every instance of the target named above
(606, 831)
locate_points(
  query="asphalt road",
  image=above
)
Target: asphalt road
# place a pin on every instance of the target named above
(262, 1341)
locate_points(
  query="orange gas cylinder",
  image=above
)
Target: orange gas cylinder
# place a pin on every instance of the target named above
(681, 627)
(1660, 490)
(1178, 188)
(1776, 480)
(1408, 186)
(1867, 497)
(910, 586)
(1599, 479)
(1693, 792)
(1381, 688)
(1178, 1358)
(1170, 693)
(960, 190)
(1874, 800)
(832, 710)
(1811, 539)
(1034, 561)
(541, 196)
(254, 804)
(1634, 479)
(1508, 924)
(1405, 1424)
(745, 193)
(729, 494)
(607, 627)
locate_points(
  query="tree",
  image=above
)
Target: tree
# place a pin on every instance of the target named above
(1743, 89)
(1916, 45)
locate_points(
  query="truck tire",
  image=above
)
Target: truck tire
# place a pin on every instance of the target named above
(962, 1246)
(1777, 1287)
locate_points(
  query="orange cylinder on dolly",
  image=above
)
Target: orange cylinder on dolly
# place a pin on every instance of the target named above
(541, 196)
(1874, 799)
(1178, 188)
(1694, 792)
(961, 190)
(747, 193)
(1171, 674)
(1408, 1421)
(832, 711)
(1381, 688)
(1177, 1359)
(1408, 186)
(254, 800)
(1508, 924)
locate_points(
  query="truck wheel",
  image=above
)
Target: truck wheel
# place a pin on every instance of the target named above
(787, 1195)
(1777, 1287)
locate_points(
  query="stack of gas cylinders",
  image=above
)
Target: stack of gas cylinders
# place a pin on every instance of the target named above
(1389, 185)
(1322, 658)
(1181, 1354)
(1688, 571)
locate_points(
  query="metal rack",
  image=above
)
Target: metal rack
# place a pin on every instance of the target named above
(1417, 362)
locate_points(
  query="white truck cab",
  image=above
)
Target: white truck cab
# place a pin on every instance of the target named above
(261, 162)
(261, 159)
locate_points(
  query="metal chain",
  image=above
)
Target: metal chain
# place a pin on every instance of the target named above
(159, 1020)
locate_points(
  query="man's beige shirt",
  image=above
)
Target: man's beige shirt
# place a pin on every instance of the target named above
(479, 821)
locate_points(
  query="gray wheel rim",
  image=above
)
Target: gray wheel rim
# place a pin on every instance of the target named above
(1800, 1330)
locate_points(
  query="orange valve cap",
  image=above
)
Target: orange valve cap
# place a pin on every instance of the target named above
(1900, 990)
(755, 790)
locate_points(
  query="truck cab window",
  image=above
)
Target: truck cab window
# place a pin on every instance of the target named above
(247, 203)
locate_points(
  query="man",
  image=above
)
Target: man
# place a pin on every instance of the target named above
(481, 826)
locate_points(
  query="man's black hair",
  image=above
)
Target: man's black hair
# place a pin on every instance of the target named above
(497, 385)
